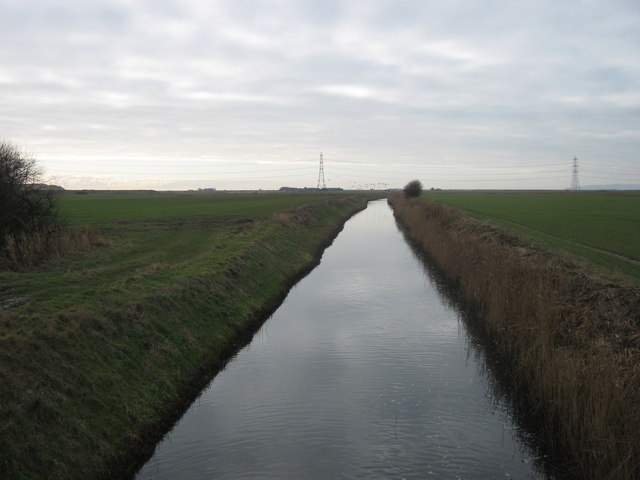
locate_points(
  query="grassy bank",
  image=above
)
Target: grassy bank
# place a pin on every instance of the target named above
(571, 342)
(601, 227)
(101, 351)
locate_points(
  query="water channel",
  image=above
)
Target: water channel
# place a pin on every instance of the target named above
(365, 371)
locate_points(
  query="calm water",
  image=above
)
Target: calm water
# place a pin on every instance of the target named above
(363, 372)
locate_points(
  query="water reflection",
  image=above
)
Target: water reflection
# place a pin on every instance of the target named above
(365, 371)
(491, 367)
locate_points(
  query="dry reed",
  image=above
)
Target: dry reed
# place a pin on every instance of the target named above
(296, 216)
(571, 341)
(27, 250)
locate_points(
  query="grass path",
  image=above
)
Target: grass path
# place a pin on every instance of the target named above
(575, 244)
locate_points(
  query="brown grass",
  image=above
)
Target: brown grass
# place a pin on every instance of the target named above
(295, 216)
(571, 341)
(23, 251)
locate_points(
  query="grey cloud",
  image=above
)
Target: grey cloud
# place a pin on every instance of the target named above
(371, 81)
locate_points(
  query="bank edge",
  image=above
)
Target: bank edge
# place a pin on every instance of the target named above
(163, 349)
(569, 341)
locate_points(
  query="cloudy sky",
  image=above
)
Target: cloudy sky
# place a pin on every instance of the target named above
(246, 94)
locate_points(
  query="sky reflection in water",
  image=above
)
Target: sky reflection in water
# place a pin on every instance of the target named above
(363, 372)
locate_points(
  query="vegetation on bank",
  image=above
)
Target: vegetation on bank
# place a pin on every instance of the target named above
(413, 189)
(30, 230)
(601, 227)
(100, 350)
(570, 342)
(25, 206)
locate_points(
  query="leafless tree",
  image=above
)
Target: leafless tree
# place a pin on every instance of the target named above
(24, 205)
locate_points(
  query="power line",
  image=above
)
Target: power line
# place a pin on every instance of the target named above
(466, 174)
(439, 178)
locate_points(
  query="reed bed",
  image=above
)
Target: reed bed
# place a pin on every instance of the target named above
(570, 341)
(26, 250)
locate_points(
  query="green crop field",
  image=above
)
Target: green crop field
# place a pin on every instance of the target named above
(121, 207)
(603, 228)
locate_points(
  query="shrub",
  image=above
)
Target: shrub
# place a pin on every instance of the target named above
(25, 206)
(413, 189)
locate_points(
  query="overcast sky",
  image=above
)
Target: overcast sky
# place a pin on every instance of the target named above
(246, 94)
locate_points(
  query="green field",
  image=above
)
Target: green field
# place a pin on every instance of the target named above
(152, 239)
(104, 345)
(121, 207)
(603, 228)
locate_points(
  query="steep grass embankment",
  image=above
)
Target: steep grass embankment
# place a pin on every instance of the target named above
(570, 342)
(104, 353)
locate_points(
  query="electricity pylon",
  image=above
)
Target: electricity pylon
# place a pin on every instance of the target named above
(575, 184)
(321, 174)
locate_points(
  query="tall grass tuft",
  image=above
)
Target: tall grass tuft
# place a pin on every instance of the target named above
(25, 250)
(571, 342)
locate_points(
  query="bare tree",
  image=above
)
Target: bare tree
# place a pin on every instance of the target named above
(24, 206)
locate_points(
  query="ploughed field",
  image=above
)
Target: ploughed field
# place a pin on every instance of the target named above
(601, 227)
